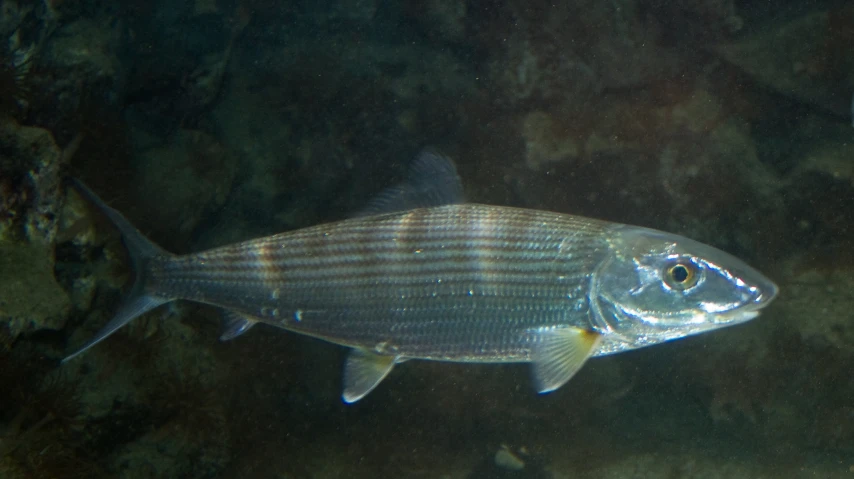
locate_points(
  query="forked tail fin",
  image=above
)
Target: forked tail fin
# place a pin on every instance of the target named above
(141, 252)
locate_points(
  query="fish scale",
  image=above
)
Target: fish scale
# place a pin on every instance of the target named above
(364, 285)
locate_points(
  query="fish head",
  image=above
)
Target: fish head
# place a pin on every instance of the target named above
(654, 287)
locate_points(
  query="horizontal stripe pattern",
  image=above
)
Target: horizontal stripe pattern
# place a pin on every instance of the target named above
(458, 281)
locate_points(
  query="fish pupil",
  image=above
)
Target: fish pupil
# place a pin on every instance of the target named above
(679, 273)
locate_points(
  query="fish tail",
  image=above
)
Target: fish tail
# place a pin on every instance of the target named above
(141, 251)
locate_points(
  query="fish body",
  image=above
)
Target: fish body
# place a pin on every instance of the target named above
(456, 282)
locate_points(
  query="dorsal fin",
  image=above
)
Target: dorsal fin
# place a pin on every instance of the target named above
(432, 180)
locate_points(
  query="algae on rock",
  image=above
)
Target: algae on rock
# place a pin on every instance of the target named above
(30, 162)
(30, 297)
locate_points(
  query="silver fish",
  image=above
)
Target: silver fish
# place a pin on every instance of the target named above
(455, 282)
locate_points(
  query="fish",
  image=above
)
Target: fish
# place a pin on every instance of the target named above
(421, 274)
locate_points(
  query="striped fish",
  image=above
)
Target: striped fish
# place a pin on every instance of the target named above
(419, 275)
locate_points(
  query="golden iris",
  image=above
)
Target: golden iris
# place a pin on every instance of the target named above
(681, 275)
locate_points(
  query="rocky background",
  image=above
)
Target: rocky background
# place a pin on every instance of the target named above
(210, 121)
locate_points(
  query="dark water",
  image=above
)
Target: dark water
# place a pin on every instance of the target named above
(211, 121)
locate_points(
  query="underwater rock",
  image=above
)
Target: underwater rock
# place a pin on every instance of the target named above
(79, 69)
(813, 348)
(9, 469)
(667, 465)
(507, 459)
(30, 165)
(631, 53)
(716, 184)
(544, 142)
(30, 297)
(76, 243)
(833, 160)
(545, 54)
(442, 21)
(830, 323)
(693, 21)
(188, 434)
(202, 86)
(510, 463)
(356, 11)
(530, 71)
(685, 165)
(819, 197)
(180, 184)
(25, 27)
(180, 54)
(301, 165)
(807, 59)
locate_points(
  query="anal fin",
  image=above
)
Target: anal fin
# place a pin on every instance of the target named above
(559, 354)
(235, 325)
(363, 371)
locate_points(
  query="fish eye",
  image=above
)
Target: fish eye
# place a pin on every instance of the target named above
(681, 275)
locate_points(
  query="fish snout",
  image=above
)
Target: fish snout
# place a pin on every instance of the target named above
(763, 293)
(755, 297)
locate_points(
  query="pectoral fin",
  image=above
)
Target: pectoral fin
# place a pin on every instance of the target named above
(362, 372)
(559, 354)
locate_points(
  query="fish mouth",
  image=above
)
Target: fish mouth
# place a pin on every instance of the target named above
(734, 317)
(760, 298)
